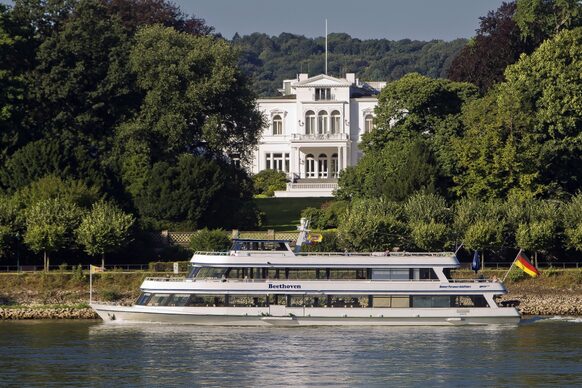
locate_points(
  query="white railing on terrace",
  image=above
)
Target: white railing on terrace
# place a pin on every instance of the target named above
(320, 136)
(313, 186)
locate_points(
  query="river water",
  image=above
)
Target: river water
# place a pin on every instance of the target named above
(540, 351)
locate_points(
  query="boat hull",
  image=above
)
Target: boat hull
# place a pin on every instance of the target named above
(379, 317)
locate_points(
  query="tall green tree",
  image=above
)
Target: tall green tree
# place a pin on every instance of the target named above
(195, 99)
(104, 229)
(524, 136)
(50, 226)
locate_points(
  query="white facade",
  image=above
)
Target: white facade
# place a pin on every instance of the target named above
(313, 131)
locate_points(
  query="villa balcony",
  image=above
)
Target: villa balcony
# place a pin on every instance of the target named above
(309, 188)
(319, 137)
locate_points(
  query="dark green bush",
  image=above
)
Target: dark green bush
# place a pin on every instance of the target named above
(267, 182)
(210, 240)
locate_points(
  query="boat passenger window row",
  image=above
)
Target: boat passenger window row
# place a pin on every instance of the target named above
(315, 273)
(331, 301)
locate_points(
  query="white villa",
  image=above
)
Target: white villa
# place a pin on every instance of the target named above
(314, 129)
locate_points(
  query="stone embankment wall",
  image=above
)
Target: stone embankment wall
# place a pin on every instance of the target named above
(547, 304)
(47, 313)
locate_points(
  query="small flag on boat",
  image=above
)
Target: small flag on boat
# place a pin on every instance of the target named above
(476, 264)
(95, 269)
(314, 238)
(525, 265)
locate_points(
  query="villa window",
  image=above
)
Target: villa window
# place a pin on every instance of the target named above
(322, 122)
(277, 125)
(335, 121)
(277, 161)
(368, 123)
(322, 94)
(310, 123)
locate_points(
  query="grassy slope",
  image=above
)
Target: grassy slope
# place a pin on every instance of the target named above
(283, 214)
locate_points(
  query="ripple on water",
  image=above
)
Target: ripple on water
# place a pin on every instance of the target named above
(540, 351)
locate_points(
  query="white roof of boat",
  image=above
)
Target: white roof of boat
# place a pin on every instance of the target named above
(325, 260)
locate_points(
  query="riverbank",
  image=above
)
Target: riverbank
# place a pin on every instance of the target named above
(64, 295)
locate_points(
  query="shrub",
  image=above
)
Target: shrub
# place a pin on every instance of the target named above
(267, 182)
(111, 295)
(210, 240)
(315, 217)
(429, 236)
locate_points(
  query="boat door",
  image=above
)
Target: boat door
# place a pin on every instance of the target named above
(278, 305)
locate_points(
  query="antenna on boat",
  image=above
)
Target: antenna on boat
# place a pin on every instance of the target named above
(303, 231)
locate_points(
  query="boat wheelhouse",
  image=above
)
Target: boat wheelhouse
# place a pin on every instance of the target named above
(265, 282)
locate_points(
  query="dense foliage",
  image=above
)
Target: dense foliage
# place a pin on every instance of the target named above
(271, 59)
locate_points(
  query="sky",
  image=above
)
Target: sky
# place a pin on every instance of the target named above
(364, 19)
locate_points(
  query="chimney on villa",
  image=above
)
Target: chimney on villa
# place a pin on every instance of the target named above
(302, 77)
(351, 78)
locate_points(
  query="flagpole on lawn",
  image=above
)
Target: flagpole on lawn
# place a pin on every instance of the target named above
(511, 266)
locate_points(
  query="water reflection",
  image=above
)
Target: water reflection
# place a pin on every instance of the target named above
(82, 353)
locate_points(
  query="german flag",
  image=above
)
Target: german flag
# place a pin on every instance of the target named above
(526, 266)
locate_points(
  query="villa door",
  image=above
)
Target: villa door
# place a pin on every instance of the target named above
(323, 167)
(309, 166)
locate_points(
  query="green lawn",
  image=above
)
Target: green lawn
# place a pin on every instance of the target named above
(283, 214)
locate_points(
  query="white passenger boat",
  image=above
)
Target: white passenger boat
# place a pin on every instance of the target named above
(265, 283)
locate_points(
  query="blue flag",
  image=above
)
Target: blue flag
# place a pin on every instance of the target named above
(476, 265)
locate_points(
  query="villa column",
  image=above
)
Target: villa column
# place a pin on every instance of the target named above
(345, 156)
(316, 164)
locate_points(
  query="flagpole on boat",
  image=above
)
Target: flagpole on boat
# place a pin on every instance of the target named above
(511, 266)
(90, 285)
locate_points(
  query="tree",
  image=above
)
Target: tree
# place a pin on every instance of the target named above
(372, 225)
(50, 226)
(198, 192)
(104, 229)
(395, 172)
(498, 43)
(11, 226)
(205, 240)
(136, 13)
(427, 216)
(523, 137)
(541, 19)
(196, 100)
(53, 187)
(572, 214)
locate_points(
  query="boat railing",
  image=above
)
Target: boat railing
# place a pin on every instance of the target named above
(396, 254)
(212, 253)
(495, 280)
(162, 279)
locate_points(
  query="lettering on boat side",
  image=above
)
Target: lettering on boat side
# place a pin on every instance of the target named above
(284, 285)
(449, 286)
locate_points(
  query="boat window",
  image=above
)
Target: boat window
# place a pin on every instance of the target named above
(202, 300)
(469, 301)
(247, 300)
(259, 246)
(302, 273)
(143, 298)
(390, 301)
(210, 272)
(159, 300)
(348, 301)
(278, 299)
(431, 301)
(391, 274)
(179, 300)
(295, 301)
